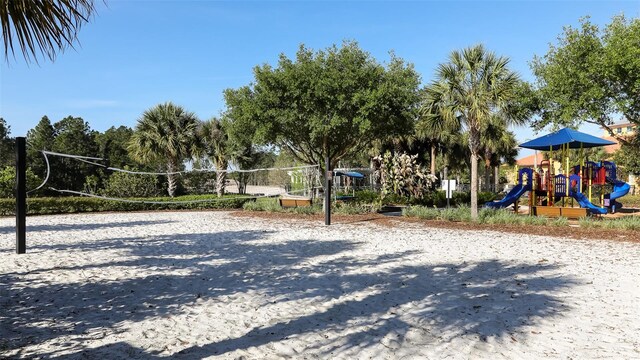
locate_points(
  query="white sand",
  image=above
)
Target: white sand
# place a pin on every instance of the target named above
(207, 285)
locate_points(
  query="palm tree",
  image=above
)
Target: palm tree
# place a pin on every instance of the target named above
(166, 133)
(432, 126)
(497, 142)
(472, 86)
(45, 26)
(215, 142)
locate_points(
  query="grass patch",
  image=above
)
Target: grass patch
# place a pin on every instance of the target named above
(354, 208)
(630, 201)
(623, 223)
(421, 212)
(561, 221)
(273, 205)
(461, 213)
(263, 204)
(485, 216)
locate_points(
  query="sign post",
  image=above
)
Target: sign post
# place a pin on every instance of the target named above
(449, 186)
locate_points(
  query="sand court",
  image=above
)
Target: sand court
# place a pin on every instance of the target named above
(212, 285)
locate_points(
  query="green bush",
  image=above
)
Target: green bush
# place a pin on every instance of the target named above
(8, 181)
(124, 185)
(62, 205)
(367, 196)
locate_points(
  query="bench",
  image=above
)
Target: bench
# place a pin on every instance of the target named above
(294, 202)
(556, 211)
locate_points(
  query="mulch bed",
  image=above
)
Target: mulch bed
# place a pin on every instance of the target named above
(565, 232)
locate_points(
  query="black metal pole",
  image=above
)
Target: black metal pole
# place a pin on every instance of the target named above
(327, 192)
(21, 195)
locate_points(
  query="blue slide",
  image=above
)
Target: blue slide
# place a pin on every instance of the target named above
(510, 198)
(585, 203)
(620, 189)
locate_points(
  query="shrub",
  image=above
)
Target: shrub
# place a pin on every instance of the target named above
(8, 181)
(124, 185)
(62, 205)
(401, 174)
(367, 196)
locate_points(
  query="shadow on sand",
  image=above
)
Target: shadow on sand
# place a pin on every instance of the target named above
(82, 227)
(487, 298)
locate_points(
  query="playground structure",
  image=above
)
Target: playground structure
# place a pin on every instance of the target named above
(552, 194)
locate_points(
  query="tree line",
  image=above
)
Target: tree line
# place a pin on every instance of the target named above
(340, 105)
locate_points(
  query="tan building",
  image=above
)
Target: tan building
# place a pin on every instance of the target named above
(626, 129)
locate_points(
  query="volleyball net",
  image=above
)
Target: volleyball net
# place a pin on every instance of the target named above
(100, 180)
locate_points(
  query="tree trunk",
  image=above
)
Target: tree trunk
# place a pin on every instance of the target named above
(487, 174)
(496, 178)
(221, 178)
(242, 183)
(433, 159)
(172, 179)
(474, 185)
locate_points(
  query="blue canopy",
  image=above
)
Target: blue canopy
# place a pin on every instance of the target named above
(575, 139)
(351, 174)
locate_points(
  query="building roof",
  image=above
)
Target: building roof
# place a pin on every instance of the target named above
(623, 125)
(528, 161)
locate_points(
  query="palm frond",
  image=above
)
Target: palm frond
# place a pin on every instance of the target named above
(42, 26)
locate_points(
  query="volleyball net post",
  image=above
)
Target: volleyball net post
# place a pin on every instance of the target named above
(21, 195)
(327, 192)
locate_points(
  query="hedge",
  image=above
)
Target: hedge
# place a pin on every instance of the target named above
(65, 205)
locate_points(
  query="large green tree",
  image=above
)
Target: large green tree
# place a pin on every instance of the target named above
(6, 145)
(73, 136)
(40, 138)
(628, 156)
(469, 89)
(167, 133)
(43, 27)
(112, 146)
(328, 103)
(591, 75)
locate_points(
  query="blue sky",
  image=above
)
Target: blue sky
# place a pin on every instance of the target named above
(136, 54)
